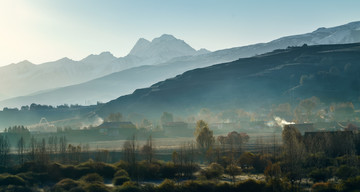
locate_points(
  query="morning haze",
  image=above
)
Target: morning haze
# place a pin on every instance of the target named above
(179, 96)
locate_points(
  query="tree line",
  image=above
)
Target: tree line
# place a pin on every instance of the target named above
(205, 164)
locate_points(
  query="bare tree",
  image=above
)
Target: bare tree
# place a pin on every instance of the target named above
(129, 150)
(4, 150)
(43, 156)
(74, 153)
(148, 150)
(32, 152)
(185, 159)
(51, 146)
(260, 145)
(86, 150)
(129, 155)
(55, 143)
(102, 155)
(21, 150)
(275, 147)
(62, 148)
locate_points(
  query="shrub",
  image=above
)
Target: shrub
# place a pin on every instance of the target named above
(323, 187)
(122, 165)
(56, 171)
(250, 185)
(233, 170)
(246, 160)
(121, 172)
(351, 184)
(128, 187)
(148, 188)
(277, 185)
(121, 180)
(148, 170)
(14, 188)
(92, 178)
(331, 170)
(32, 178)
(319, 175)
(192, 185)
(69, 171)
(188, 169)
(224, 187)
(319, 160)
(66, 184)
(28, 177)
(12, 180)
(101, 168)
(167, 186)
(213, 171)
(96, 187)
(105, 170)
(345, 172)
(81, 171)
(225, 161)
(168, 170)
(259, 163)
(59, 171)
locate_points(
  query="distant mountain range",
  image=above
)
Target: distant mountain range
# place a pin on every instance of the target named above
(147, 63)
(329, 72)
(25, 78)
(163, 49)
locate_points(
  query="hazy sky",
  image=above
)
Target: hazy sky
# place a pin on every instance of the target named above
(47, 30)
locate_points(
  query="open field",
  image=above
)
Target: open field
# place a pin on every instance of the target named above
(255, 140)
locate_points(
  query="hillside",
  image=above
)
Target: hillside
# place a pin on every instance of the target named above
(329, 72)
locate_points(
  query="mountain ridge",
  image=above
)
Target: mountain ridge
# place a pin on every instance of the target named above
(105, 89)
(253, 83)
(66, 72)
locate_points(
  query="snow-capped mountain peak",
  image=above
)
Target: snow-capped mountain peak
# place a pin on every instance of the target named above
(165, 37)
(162, 48)
(348, 33)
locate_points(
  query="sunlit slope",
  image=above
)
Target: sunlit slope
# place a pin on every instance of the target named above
(330, 72)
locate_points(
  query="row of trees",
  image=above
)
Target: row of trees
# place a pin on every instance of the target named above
(42, 151)
(224, 156)
(39, 107)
